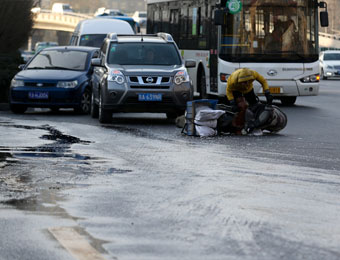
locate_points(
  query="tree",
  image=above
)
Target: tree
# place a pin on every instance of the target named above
(16, 23)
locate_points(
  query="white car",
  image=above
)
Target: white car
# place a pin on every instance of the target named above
(140, 17)
(330, 64)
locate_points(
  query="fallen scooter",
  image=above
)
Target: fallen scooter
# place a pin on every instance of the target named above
(257, 119)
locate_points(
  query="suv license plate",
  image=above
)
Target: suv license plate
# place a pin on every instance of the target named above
(149, 97)
(38, 95)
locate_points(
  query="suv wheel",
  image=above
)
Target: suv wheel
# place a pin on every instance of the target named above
(171, 115)
(105, 116)
(175, 114)
(202, 85)
(94, 107)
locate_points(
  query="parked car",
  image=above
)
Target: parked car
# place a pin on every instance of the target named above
(114, 12)
(61, 8)
(56, 77)
(140, 73)
(140, 17)
(26, 55)
(42, 45)
(330, 64)
(134, 25)
(110, 12)
(92, 32)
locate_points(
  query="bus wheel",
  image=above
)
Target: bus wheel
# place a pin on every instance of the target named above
(202, 85)
(288, 100)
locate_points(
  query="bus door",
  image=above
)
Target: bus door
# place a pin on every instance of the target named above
(174, 23)
(213, 49)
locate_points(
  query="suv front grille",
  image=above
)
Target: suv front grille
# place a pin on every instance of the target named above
(150, 87)
(150, 80)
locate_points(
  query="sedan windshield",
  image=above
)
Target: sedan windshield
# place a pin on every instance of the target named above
(140, 53)
(59, 59)
(331, 56)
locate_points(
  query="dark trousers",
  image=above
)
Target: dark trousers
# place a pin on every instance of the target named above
(251, 98)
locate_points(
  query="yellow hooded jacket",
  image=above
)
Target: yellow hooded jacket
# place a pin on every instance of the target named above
(241, 75)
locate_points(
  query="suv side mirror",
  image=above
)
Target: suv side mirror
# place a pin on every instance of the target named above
(21, 66)
(96, 62)
(190, 63)
(219, 17)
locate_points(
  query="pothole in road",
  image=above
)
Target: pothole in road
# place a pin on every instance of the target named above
(26, 170)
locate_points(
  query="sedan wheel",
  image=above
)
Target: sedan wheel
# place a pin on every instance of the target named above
(85, 103)
(18, 109)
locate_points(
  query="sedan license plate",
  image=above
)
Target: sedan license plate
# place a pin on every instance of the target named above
(149, 97)
(38, 95)
(275, 90)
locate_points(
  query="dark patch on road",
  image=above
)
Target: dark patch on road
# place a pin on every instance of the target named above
(117, 171)
(60, 148)
(21, 182)
(136, 132)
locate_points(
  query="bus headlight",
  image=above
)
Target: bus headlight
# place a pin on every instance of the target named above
(181, 77)
(311, 78)
(224, 77)
(117, 76)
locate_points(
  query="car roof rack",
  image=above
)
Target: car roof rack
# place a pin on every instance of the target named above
(112, 36)
(165, 36)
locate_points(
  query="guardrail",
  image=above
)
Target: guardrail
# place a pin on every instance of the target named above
(47, 20)
(327, 40)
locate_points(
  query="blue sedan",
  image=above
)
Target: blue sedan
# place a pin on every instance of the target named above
(56, 77)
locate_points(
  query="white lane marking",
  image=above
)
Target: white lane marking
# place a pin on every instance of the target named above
(75, 244)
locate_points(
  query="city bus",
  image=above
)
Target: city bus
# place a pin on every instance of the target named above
(277, 38)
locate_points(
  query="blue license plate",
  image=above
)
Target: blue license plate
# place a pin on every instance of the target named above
(149, 97)
(38, 95)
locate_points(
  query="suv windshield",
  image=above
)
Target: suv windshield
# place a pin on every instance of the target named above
(331, 56)
(142, 53)
(92, 40)
(59, 59)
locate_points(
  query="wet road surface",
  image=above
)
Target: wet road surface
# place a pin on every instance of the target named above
(138, 189)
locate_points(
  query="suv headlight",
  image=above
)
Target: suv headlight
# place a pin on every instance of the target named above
(330, 67)
(67, 84)
(181, 77)
(17, 83)
(117, 76)
(311, 78)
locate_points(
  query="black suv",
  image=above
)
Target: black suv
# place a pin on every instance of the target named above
(140, 73)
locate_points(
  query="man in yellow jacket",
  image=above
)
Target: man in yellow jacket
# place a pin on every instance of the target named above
(240, 83)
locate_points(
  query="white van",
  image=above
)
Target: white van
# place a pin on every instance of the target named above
(61, 8)
(92, 32)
